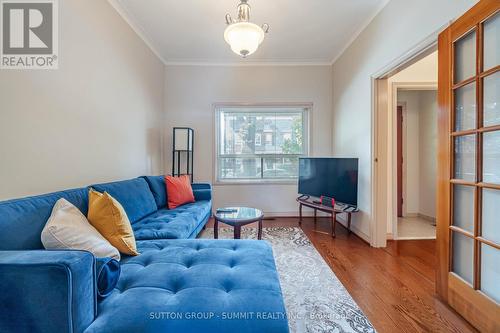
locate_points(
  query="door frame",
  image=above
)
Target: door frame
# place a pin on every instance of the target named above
(380, 95)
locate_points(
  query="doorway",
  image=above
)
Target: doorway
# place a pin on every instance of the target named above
(400, 186)
(415, 162)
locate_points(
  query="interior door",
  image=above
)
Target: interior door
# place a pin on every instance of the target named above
(399, 134)
(468, 215)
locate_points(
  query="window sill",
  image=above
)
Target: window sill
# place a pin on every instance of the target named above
(256, 182)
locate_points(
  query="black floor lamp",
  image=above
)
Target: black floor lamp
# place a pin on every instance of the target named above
(183, 151)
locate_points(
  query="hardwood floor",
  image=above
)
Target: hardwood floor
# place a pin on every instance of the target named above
(393, 286)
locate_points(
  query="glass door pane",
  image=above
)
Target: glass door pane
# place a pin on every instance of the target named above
(491, 31)
(463, 207)
(465, 107)
(490, 272)
(491, 97)
(463, 256)
(491, 157)
(490, 216)
(465, 157)
(465, 57)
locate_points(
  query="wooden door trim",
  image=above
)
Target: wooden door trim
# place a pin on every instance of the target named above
(444, 165)
(378, 227)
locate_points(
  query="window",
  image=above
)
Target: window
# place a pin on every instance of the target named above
(258, 139)
(260, 143)
(269, 139)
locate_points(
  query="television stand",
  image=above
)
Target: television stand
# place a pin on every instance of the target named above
(333, 211)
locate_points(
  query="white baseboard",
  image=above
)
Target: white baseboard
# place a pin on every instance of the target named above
(422, 216)
(415, 238)
(360, 234)
(426, 217)
(294, 214)
(342, 219)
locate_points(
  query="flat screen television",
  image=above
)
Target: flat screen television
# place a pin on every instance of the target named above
(332, 177)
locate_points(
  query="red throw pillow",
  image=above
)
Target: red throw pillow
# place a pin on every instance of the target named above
(179, 191)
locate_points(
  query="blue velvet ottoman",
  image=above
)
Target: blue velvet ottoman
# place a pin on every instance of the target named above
(195, 286)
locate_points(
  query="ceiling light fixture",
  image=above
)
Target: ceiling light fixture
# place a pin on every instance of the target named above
(243, 36)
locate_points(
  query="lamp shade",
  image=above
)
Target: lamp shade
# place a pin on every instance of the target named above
(183, 138)
(244, 37)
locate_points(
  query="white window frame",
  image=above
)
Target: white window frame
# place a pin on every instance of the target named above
(306, 116)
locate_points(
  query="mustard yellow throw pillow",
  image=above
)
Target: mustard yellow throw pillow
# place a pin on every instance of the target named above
(110, 219)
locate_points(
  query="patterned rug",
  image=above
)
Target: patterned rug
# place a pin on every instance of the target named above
(315, 299)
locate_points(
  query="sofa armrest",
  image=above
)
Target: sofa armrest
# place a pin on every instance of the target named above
(202, 191)
(47, 291)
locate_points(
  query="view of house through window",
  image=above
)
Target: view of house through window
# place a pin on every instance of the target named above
(255, 143)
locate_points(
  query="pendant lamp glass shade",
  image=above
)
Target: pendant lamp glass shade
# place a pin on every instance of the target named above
(244, 37)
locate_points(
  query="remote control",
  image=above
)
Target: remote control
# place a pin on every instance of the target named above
(227, 210)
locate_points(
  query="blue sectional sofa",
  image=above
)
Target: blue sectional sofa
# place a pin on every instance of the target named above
(176, 284)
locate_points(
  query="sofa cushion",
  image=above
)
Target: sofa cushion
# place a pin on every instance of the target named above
(107, 275)
(173, 224)
(134, 195)
(158, 188)
(107, 215)
(179, 191)
(194, 286)
(202, 191)
(68, 229)
(22, 220)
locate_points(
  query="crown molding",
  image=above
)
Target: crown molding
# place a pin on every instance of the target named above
(360, 30)
(247, 64)
(136, 27)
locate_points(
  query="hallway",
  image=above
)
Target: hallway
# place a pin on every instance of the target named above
(416, 228)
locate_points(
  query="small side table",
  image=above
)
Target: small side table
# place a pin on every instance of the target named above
(331, 210)
(239, 217)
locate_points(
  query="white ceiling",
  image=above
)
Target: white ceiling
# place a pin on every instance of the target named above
(302, 31)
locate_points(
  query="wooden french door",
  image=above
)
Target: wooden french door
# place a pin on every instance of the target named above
(468, 214)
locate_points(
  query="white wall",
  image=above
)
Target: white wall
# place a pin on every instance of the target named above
(191, 92)
(428, 153)
(400, 26)
(97, 118)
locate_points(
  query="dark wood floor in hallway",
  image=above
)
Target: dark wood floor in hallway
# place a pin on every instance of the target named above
(393, 286)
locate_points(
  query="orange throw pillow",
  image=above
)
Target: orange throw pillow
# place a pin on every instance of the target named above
(179, 191)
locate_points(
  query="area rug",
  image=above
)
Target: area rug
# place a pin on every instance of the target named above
(315, 299)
